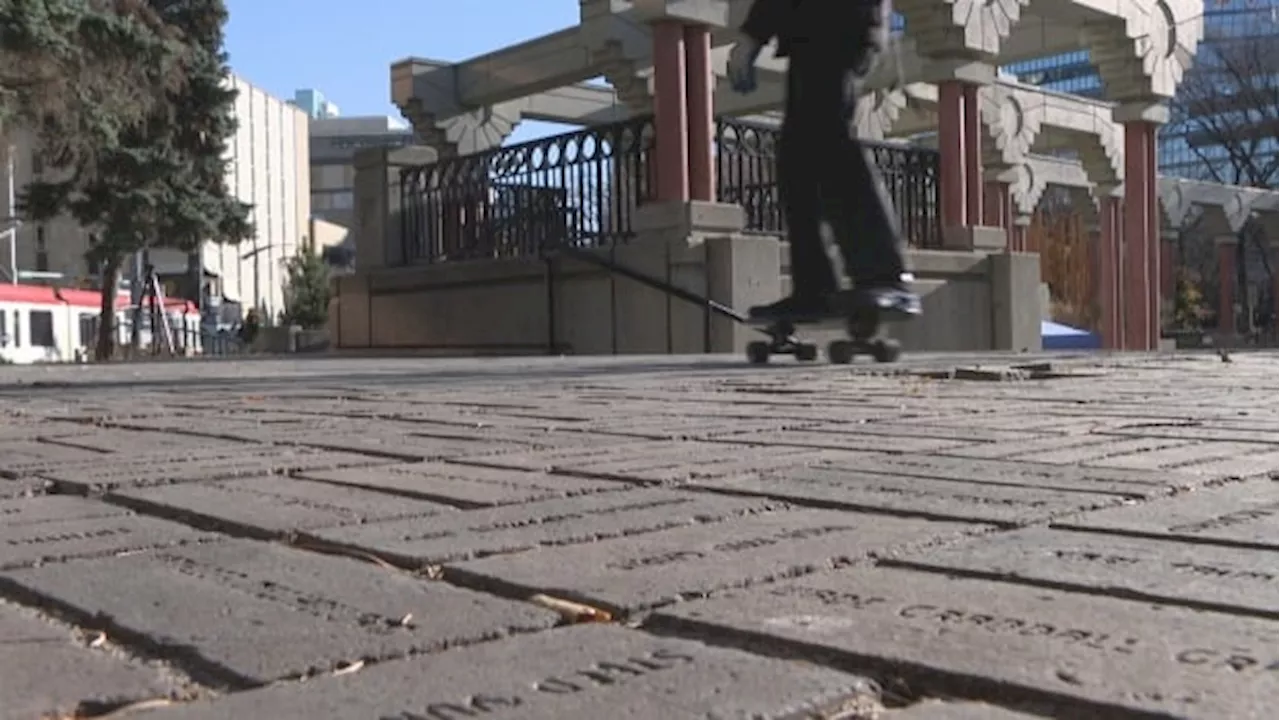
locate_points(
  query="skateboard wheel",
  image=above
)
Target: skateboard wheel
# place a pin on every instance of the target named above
(758, 353)
(806, 352)
(886, 351)
(840, 352)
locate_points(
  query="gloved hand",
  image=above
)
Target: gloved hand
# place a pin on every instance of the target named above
(742, 65)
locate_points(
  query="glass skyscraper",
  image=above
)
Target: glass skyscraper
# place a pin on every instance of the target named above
(1223, 125)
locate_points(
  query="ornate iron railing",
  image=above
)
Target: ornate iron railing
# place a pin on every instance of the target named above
(575, 189)
(746, 174)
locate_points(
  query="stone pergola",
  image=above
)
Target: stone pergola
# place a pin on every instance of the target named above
(667, 57)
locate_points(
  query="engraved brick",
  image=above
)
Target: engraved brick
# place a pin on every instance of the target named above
(1234, 579)
(1064, 449)
(212, 464)
(470, 484)
(654, 462)
(45, 672)
(1136, 483)
(955, 499)
(590, 671)
(58, 527)
(275, 503)
(477, 533)
(648, 570)
(263, 611)
(957, 710)
(1243, 512)
(1116, 653)
(849, 440)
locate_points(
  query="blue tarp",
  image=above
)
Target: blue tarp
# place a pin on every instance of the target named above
(1054, 336)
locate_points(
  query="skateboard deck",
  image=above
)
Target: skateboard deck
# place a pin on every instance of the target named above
(862, 320)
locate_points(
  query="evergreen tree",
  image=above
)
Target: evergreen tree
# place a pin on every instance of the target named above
(306, 292)
(78, 73)
(163, 183)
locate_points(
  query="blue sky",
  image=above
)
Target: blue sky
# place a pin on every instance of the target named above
(345, 49)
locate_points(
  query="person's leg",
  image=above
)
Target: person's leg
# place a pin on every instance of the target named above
(812, 277)
(862, 217)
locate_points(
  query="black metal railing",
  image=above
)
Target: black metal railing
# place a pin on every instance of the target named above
(746, 157)
(578, 189)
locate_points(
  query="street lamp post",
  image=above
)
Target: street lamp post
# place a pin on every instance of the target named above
(257, 275)
(11, 223)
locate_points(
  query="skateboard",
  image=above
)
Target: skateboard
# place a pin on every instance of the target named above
(863, 321)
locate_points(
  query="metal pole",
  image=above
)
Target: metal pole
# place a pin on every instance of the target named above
(12, 231)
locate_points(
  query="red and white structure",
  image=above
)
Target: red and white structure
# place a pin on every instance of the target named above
(41, 324)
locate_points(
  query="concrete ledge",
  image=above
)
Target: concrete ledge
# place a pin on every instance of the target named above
(713, 13)
(977, 237)
(693, 216)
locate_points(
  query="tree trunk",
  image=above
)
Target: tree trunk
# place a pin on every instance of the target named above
(107, 310)
(1244, 320)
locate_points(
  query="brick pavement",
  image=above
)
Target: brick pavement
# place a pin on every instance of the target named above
(640, 538)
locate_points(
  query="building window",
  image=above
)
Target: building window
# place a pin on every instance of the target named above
(88, 329)
(4, 332)
(42, 250)
(343, 201)
(42, 329)
(17, 329)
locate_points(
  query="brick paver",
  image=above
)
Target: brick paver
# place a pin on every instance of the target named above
(640, 538)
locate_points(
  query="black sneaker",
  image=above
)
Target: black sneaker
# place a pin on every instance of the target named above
(894, 300)
(790, 308)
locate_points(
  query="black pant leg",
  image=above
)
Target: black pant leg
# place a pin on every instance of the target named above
(856, 203)
(799, 153)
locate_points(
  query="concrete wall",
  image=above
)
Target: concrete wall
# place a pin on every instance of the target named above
(509, 305)
(973, 301)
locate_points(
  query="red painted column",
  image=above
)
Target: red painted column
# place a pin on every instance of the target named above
(1018, 236)
(1227, 286)
(1275, 288)
(997, 206)
(1138, 230)
(670, 110)
(972, 155)
(1154, 238)
(701, 86)
(1168, 269)
(951, 148)
(1109, 272)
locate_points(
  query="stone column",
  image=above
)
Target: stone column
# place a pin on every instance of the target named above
(972, 156)
(701, 112)
(1110, 299)
(951, 137)
(1141, 224)
(1018, 233)
(1226, 248)
(671, 111)
(997, 200)
(376, 192)
(963, 211)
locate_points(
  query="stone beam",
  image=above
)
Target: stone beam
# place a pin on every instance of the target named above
(543, 63)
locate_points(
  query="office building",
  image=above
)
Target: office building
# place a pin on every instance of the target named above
(334, 142)
(312, 102)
